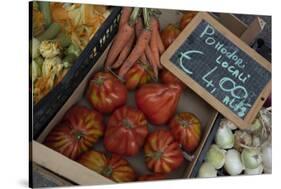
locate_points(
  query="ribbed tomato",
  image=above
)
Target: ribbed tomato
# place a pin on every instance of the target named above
(105, 92)
(158, 101)
(162, 152)
(169, 34)
(79, 129)
(115, 167)
(186, 129)
(155, 176)
(138, 75)
(168, 78)
(186, 19)
(126, 131)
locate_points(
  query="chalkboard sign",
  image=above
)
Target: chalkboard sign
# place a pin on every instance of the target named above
(220, 68)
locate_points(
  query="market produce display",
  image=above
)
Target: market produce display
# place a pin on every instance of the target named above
(79, 129)
(113, 167)
(105, 92)
(129, 127)
(238, 151)
(130, 117)
(162, 152)
(60, 31)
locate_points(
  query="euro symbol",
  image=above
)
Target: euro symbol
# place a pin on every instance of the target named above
(186, 56)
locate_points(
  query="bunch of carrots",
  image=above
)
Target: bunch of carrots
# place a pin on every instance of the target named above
(138, 39)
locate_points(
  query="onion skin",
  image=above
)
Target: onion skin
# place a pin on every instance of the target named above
(242, 138)
(224, 137)
(233, 157)
(251, 158)
(207, 170)
(267, 158)
(256, 171)
(216, 156)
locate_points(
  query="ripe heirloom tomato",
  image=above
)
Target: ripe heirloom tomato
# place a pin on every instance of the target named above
(169, 35)
(115, 167)
(138, 75)
(162, 152)
(155, 176)
(158, 101)
(168, 78)
(186, 129)
(79, 129)
(105, 92)
(186, 19)
(126, 131)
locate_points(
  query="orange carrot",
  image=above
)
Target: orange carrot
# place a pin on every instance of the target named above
(124, 53)
(121, 38)
(125, 15)
(160, 44)
(152, 61)
(153, 41)
(138, 26)
(138, 29)
(125, 32)
(138, 50)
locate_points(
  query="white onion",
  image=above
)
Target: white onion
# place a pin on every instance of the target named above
(251, 158)
(224, 137)
(256, 171)
(207, 170)
(267, 158)
(233, 164)
(256, 126)
(229, 124)
(216, 156)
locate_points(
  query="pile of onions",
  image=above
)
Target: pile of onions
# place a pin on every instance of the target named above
(241, 151)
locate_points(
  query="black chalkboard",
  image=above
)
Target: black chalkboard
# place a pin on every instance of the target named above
(222, 68)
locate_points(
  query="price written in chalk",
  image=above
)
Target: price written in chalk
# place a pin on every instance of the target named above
(221, 68)
(236, 95)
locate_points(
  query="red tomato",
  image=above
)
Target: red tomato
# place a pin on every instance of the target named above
(158, 101)
(76, 133)
(186, 19)
(169, 34)
(186, 130)
(138, 75)
(155, 176)
(168, 78)
(162, 152)
(115, 167)
(126, 131)
(105, 92)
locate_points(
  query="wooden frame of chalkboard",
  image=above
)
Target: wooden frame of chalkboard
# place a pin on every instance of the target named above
(259, 66)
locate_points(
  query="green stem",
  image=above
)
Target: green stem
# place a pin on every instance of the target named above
(146, 18)
(107, 171)
(134, 16)
(78, 135)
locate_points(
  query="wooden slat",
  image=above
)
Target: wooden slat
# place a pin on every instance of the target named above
(51, 177)
(65, 167)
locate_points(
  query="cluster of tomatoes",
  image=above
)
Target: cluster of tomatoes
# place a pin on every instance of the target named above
(126, 132)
